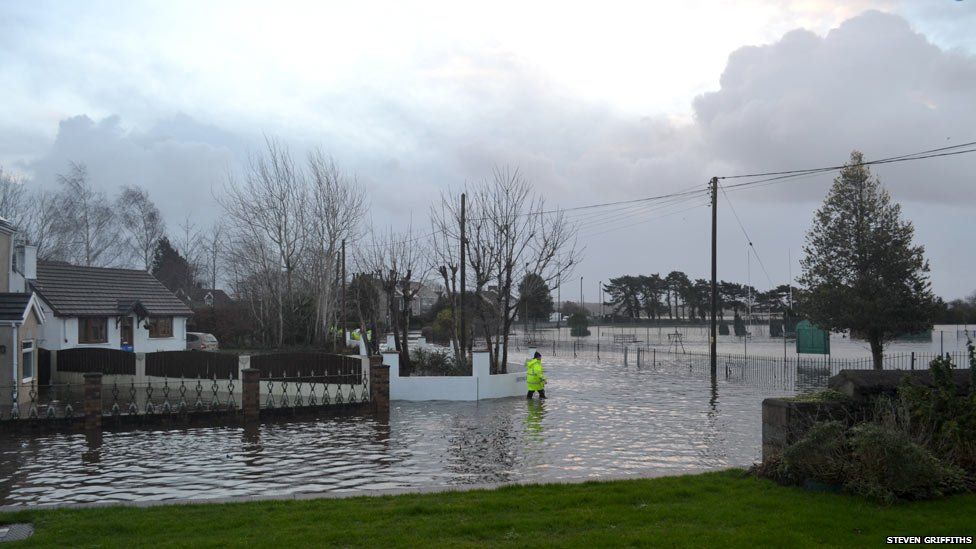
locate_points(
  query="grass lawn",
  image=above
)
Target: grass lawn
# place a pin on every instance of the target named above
(712, 509)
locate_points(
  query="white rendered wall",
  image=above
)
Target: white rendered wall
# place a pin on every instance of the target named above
(59, 333)
(481, 385)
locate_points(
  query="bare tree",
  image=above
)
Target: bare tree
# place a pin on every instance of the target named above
(510, 234)
(87, 221)
(336, 207)
(212, 250)
(398, 263)
(266, 212)
(13, 198)
(188, 243)
(142, 222)
(41, 225)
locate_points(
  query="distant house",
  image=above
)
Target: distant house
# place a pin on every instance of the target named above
(204, 297)
(108, 308)
(425, 296)
(21, 317)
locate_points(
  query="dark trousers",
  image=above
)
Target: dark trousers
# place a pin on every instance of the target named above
(542, 394)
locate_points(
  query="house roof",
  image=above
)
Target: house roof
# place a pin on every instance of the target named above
(16, 307)
(13, 307)
(197, 297)
(72, 290)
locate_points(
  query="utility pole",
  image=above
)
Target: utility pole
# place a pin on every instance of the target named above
(585, 313)
(601, 312)
(343, 291)
(583, 307)
(463, 335)
(559, 304)
(713, 359)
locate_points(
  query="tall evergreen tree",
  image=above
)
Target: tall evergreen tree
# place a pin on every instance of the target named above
(170, 268)
(861, 270)
(534, 298)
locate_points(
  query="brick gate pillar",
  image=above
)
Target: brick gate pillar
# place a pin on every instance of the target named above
(251, 393)
(93, 401)
(379, 383)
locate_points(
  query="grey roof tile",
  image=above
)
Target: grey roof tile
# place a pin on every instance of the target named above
(72, 290)
(12, 306)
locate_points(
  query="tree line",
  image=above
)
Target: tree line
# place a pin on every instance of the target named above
(675, 296)
(278, 247)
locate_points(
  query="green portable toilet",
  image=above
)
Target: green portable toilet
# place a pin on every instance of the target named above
(811, 340)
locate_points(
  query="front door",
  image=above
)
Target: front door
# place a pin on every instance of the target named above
(43, 367)
(125, 330)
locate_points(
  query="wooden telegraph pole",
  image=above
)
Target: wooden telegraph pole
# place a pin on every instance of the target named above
(463, 335)
(344, 291)
(714, 326)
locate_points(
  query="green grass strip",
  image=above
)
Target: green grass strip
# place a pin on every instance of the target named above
(707, 510)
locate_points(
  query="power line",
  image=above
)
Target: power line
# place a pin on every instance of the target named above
(801, 174)
(674, 212)
(749, 240)
(899, 158)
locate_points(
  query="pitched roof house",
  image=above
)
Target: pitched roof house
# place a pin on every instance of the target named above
(21, 316)
(197, 297)
(111, 308)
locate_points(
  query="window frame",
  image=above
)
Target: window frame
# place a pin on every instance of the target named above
(27, 348)
(154, 326)
(84, 330)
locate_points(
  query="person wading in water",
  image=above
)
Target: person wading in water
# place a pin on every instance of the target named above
(535, 379)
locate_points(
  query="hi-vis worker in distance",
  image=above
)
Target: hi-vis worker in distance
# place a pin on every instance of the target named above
(535, 379)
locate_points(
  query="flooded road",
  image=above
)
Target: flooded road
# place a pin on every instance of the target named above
(602, 419)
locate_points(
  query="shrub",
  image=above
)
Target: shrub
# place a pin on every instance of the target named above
(947, 418)
(820, 455)
(441, 330)
(579, 325)
(428, 362)
(886, 465)
(876, 461)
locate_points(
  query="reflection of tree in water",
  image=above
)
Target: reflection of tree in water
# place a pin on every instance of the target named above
(482, 449)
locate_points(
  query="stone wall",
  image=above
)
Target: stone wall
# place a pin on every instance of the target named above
(785, 420)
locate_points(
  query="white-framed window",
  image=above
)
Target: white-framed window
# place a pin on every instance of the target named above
(27, 360)
(161, 326)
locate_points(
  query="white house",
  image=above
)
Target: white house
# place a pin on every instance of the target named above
(108, 308)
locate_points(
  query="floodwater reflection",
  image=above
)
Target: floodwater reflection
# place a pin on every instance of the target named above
(600, 419)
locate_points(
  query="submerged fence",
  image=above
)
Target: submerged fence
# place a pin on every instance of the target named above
(790, 372)
(203, 384)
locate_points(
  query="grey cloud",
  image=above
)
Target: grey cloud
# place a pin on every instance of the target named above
(871, 84)
(179, 173)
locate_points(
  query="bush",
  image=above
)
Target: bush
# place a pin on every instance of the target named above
(579, 325)
(428, 362)
(876, 461)
(441, 330)
(886, 465)
(820, 455)
(945, 417)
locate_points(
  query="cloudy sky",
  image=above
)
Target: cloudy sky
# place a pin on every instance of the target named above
(593, 102)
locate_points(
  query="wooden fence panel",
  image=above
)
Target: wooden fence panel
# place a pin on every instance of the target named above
(192, 364)
(106, 361)
(294, 364)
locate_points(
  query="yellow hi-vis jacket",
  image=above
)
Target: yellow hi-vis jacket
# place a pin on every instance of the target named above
(535, 379)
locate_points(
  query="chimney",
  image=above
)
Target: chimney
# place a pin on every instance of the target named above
(25, 261)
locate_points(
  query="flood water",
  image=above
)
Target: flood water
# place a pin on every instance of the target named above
(602, 419)
(945, 338)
